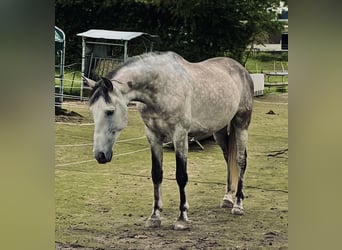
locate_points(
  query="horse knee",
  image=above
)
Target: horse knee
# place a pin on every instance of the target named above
(157, 171)
(181, 171)
(157, 176)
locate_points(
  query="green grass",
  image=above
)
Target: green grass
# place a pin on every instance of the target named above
(262, 61)
(268, 62)
(105, 206)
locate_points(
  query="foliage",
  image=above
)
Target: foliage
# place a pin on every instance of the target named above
(195, 29)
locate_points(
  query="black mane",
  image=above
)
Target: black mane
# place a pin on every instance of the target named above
(99, 90)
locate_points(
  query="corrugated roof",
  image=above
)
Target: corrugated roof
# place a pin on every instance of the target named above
(112, 35)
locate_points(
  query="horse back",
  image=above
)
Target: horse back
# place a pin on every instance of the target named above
(221, 78)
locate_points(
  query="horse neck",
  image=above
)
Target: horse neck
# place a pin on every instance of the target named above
(141, 86)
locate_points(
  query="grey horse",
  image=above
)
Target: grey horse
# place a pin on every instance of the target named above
(177, 99)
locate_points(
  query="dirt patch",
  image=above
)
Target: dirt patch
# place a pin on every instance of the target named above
(275, 97)
(65, 246)
(64, 115)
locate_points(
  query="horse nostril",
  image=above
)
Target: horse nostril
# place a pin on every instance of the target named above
(101, 157)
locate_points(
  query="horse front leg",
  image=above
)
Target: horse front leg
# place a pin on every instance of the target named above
(157, 177)
(181, 149)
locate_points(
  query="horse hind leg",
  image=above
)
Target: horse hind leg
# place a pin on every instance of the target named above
(241, 122)
(241, 141)
(222, 138)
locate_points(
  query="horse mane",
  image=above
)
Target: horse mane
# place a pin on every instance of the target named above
(134, 59)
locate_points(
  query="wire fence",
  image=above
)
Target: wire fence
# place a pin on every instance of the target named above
(93, 160)
(91, 144)
(69, 85)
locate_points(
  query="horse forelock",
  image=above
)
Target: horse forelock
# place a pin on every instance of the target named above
(98, 91)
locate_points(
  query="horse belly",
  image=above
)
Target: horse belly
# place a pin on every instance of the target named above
(213, 110)
(206, 125)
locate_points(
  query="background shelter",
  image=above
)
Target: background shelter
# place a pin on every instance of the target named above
(103, 50)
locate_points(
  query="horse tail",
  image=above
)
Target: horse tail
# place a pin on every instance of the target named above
(233, 170)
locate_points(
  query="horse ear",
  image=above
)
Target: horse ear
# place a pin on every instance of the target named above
(108, 84)
(88, 82)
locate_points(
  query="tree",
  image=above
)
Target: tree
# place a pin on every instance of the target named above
(217, 28)
(196, 29)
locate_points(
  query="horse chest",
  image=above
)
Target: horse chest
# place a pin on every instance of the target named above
(158, 125)
(163, 121)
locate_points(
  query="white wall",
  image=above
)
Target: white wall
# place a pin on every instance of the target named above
(258, 80)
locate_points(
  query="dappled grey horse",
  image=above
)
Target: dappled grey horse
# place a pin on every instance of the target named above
(177, 99)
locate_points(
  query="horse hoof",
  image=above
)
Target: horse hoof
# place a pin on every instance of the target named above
(182, 225)
(227, 204)
(153, 222)
(237, 210)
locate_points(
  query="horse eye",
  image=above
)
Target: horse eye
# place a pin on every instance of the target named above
(109, 112)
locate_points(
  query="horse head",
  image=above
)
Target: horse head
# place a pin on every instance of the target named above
(109, 112)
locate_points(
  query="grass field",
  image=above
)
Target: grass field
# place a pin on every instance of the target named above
(267, 62)
(105, 206)
(262, 61)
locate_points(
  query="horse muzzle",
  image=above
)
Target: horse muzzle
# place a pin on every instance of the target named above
(103, 158)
